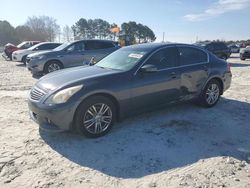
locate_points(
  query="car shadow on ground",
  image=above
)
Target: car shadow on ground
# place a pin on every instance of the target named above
(21, 65)
(163, 140)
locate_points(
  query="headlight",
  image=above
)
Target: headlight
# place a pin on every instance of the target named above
(38, 57)
(63, 95)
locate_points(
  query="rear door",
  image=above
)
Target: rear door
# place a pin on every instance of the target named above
(194, 69)
(162, 86)
(98, 50)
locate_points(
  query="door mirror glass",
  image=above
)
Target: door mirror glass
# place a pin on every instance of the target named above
(148, 68)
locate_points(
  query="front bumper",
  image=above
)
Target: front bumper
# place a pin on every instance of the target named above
(35, 66)
(52, 118)
(16, 57)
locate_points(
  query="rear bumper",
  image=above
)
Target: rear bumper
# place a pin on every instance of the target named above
(227, 79)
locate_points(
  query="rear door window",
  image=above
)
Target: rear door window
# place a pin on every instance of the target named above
(190, 56)
(98, 45)
(104, 45)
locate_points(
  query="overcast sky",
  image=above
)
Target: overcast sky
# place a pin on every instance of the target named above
(181, 20)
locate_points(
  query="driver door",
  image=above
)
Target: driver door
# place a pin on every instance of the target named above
(161, 86)
(74, 55)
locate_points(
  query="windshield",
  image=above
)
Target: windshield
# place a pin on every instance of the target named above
(123, 59)
(61, 47)
(35, 46)
(20, 45)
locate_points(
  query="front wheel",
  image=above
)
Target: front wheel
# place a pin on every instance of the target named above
(52, 66)
(211, 94)
(95, 116)
(24, 59)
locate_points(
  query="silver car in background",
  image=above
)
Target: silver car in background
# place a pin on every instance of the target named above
(70, 55)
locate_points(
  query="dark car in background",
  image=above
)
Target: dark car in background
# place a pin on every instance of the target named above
(234, 48)
(70, 55)
(134, 78)
(219, 49)
(10, 48)
(245, 53)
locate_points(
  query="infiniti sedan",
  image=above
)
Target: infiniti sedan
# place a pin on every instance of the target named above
(91, 99)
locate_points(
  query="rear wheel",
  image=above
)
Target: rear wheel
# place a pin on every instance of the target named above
(241, 57)
(52, 66)
(95, 116)
(211, 94)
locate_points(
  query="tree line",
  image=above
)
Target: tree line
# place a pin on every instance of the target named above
(44, 28)
(98, 28)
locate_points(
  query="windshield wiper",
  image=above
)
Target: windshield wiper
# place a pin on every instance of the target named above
(108, 68)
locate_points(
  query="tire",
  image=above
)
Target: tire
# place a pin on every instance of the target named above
(211, 94)
(242, 58)
(88, 119)
(52, 66)
(24, 59)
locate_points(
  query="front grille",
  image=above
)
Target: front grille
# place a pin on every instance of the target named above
(36, 94)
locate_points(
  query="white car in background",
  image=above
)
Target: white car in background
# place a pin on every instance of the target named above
(21, 55)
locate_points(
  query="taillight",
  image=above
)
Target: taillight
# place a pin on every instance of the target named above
(228, 67)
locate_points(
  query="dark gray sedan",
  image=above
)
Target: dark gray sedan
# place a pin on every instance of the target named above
(91, 98)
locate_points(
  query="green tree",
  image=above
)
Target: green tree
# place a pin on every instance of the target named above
(7, 33)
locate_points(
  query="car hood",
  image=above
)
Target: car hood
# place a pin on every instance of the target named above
(63, 78)
(39, 53)
(22, 51)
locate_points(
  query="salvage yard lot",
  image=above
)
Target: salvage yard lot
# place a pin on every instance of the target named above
(179, 146)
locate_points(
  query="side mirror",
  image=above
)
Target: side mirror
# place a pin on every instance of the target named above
(148, 68)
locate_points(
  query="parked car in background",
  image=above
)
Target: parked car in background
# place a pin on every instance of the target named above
(234, 48)
(131, 79)
(245, 53)
(21, 55)
(10, 48)
(70, 55)
(219, 49)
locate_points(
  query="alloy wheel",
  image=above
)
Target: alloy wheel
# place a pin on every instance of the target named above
(97, 118)
(53, 67)
(212, 94)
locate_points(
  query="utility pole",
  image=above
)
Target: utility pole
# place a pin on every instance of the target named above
(163, 37)
(197, 38)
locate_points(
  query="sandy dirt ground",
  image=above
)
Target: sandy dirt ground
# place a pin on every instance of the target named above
(180, 146)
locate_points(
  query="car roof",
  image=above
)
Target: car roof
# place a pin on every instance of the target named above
(41, 43)
(95, 40)
(154, 46)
